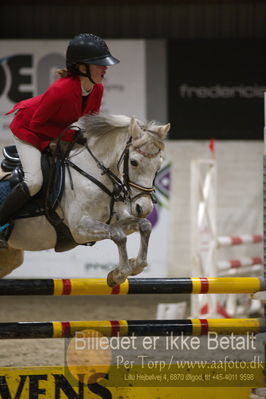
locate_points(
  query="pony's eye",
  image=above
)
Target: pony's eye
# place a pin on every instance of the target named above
(134, 162)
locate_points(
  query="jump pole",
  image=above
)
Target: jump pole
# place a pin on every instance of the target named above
(239, 263)
(228, 241)
(98, 286)
(67, 329)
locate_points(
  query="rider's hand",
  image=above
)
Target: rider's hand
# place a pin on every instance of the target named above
(78, 136)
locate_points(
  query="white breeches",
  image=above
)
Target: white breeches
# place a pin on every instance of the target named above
(30, 158)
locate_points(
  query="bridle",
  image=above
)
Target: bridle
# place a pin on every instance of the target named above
(143, 190)
(121, 188)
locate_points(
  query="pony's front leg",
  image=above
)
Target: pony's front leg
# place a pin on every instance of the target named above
(144, 227)
(92, 230)
(140, 262)
(123, 270)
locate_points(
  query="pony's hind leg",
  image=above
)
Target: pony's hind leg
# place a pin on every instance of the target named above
(10, 259)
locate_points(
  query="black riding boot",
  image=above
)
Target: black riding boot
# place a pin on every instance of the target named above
(18, 196)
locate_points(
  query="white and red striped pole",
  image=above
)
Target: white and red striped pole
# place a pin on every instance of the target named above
(225, 241)
(237, 263)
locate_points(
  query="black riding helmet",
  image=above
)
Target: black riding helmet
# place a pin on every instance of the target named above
(87, 48)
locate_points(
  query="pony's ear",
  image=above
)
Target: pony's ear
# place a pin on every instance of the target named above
(164, 130)
(134, 129)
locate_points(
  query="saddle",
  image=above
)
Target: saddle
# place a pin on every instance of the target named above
(46, 200)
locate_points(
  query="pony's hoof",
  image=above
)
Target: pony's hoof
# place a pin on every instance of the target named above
(136, 268)
(110, 280)
(137, 271)
(113, 279)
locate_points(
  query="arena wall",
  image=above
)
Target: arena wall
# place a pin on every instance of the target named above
(239, 200)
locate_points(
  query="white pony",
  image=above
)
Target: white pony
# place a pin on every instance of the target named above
(124, 155)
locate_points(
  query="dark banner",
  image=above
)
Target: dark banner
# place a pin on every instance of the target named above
(215, 89)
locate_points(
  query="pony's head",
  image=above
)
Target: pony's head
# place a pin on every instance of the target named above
(144, 161)
(131, 149)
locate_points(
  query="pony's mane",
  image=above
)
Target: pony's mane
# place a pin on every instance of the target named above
(98, 125)
(107, 132)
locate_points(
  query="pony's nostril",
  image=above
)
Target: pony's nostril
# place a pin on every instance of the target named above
(139, 210)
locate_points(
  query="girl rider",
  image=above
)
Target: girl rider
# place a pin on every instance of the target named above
(41, 119)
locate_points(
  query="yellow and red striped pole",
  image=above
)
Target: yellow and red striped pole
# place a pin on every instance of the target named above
(98, 286)
(65, 329)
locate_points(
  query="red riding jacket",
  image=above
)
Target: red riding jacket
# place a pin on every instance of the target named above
(43, 118)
